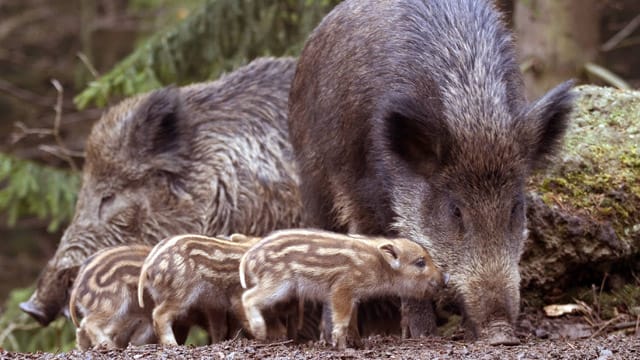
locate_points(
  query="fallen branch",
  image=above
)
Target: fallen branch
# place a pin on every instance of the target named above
(604, 326)
(273, 344)
(606, 75)
(622, 34)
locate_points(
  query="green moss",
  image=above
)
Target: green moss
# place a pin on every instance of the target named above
(599, 173)
(449, 329)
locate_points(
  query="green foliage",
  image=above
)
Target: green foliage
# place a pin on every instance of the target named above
(216, 37)
(19, 332)
(28, 188)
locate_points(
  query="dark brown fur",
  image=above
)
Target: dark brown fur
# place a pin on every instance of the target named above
(408, 118)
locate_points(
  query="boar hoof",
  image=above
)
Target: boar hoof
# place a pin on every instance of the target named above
(35, 313)
(501, 333)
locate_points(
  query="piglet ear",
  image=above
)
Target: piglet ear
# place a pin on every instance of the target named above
(155, 134)
(390, 254)
(545, 123)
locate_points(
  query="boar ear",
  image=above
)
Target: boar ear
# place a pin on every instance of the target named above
(420, 140)
(155, 134)
(390, 254)
(547, 120)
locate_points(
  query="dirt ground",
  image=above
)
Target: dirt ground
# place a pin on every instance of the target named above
(601, 348)
(566, 337)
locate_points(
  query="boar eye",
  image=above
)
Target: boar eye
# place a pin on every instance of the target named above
(420, 263)
(105, 201)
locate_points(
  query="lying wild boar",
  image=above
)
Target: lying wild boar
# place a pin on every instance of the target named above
(191, 275)
(337, 270)
(210, 158)
(409, 118)
(105, 294)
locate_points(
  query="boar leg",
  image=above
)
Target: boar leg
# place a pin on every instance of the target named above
(418, 315)
(163, 317)
(180, 331)
(217, 325)
(354, 333)
(252, 306)
(342, 307)
(326, 324)
(143, 334)
(83, 342)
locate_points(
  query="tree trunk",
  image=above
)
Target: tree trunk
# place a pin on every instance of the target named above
(584, 214)
(555, 39)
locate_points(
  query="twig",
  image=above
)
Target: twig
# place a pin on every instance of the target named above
(274, 343)
(621, 35)
(604, 278)
(24, 95)
(85, 60)
(56, 123)
(59, 152)
(237, 336)
(606, 75)
(603, 326)
(625, 325)
(9, 25)
(25, 131)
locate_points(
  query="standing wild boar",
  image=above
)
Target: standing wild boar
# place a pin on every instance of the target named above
(408, 118)
(210, 158)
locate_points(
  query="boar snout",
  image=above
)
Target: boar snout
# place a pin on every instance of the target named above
(500, 333)
(51, 295)
(491, 297)
(43, 315)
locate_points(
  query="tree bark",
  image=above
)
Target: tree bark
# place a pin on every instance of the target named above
(555, 38)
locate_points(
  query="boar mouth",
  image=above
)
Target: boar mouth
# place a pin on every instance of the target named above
(36, 312)
(500, 333)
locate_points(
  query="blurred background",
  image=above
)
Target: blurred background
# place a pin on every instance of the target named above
(62, 62)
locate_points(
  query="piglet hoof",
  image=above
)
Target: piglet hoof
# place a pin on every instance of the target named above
(354, 342)
(340, 343)
(501, 333)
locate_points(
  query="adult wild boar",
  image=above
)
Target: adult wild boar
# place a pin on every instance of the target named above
(211, 158)
(408, 118)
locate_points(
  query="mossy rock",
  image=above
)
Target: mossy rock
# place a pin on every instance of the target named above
(584, 212)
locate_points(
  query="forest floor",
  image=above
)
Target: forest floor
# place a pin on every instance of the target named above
(568, 337)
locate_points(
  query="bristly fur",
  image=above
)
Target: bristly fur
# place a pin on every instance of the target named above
(409, 118)
(193, 276)
(332, 269)
(104, 294)
(210, 158)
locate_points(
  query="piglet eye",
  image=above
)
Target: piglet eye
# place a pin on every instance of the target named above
(420, 263)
